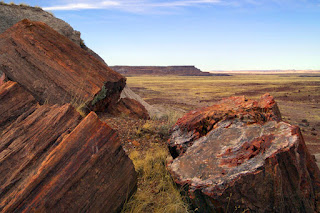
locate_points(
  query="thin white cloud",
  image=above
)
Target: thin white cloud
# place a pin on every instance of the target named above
(81, 6)
(129, 4)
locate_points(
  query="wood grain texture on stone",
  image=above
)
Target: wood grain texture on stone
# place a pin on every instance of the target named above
(199, 122)
(54, 69)
(14, 101)
(10, 14)
(248, 160)
(55, 161)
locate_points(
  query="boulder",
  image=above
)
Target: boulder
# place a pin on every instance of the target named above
(52, 160)
(238, 156)
(199, 122)
(55, 70)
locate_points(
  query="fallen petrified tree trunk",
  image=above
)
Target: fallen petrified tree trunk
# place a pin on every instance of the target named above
(52, 160)
(55, 70)
(237, 155)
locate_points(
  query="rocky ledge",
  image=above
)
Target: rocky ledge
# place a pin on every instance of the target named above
(53, 160)
(55, 70)
(239, 156)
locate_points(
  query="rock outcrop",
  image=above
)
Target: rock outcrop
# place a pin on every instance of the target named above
(10, 14)
(14, 101)
(239, 156)
(55, 70)
(161, 70)
(52, 160)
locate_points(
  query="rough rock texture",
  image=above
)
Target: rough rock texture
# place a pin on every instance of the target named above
(160, 70)
(131, 108)
(11, 14)
(238, 156)
(55, 70)
(52, 161)
(14, 101)
(152, 111)
(198, 123)
(2, 78)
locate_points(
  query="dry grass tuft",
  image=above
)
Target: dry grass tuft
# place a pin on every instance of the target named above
(156, 191)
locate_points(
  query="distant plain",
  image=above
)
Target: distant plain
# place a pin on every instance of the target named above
(298, 96)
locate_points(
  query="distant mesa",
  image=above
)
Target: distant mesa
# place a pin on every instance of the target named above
(163, 70)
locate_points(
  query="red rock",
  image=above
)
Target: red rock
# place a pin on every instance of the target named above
(198, 123)
(53, 161)
(14, 101)
(245, 160)
(2, 78)
(131, 108)
(56, 70)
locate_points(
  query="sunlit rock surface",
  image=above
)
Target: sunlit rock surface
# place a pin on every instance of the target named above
(238, 155)
(56, 70)
(53, 160)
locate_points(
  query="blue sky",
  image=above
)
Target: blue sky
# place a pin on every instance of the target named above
(210, 34)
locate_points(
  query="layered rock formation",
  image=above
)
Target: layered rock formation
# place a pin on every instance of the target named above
(10, 14)
(161, 70)
(53, 160)
(14, 102)
(55, 70)
(239, 156)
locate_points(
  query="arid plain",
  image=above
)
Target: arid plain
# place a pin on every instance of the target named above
(297, 94)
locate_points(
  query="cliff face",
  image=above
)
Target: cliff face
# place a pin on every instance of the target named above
(11, 14)
(160, 70)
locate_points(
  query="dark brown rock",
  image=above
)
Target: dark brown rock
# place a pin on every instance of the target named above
(14, 101)
(52, 161)
(55, 70)
(238, 156)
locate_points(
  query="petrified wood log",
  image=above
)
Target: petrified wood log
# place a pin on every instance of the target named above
(54, 69)
(246, 159)
(14, 101)
(198, 123)
(52, 161)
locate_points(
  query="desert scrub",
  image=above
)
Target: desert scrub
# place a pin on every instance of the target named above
(159, 127)
(156, 190)
(100, 96)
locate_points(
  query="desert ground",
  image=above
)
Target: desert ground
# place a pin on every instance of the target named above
(297, 94)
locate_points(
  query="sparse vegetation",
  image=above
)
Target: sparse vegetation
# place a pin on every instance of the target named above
(297, 97)
(156, 191)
